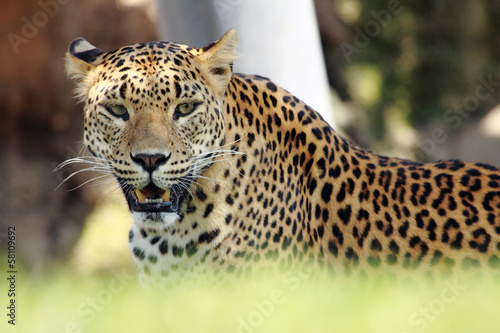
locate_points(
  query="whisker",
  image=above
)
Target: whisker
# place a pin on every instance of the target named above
(105, 181)
(106, 172)
(86, 182)
(84, 160)
(111, 190)
(186, 186)
(92, 163)
(215, 181)
(235, 141)
(198, 184)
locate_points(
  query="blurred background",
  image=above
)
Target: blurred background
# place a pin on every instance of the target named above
(412, 79)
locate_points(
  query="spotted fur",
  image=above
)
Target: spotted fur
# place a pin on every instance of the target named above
(265, 178)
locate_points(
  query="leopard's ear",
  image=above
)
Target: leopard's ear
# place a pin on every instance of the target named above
(80, 59)
(217, 59)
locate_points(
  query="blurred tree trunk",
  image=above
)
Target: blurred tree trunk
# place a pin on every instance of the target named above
(333, 33)
(41, 123)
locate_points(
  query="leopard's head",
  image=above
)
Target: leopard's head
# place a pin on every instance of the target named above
(153, 114)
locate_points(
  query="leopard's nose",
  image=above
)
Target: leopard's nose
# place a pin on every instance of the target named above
(150, 162)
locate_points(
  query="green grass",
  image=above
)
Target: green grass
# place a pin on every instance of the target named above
(97, 291)
(113, 302)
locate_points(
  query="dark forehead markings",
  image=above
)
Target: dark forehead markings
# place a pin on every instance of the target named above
(160, 45)
(146, 49)
(123, 89)
(177, 89)
(161, 53)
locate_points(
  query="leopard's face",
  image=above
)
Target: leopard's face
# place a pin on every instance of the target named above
(153, 113)
(156, 130)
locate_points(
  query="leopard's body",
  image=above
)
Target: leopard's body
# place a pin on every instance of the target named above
(267, 179)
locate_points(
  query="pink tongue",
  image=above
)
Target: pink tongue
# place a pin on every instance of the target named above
(152, 191)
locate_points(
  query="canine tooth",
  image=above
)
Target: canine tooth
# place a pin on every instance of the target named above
(140, 196)
(166, 196)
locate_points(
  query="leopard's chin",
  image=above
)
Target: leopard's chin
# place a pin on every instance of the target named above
(155, 221)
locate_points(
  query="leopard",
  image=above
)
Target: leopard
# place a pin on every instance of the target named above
(224, 171)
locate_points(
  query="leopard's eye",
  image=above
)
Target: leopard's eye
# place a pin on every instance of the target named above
(184, 109)
(117, 110)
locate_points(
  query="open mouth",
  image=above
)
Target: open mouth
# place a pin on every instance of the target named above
(153, 199)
